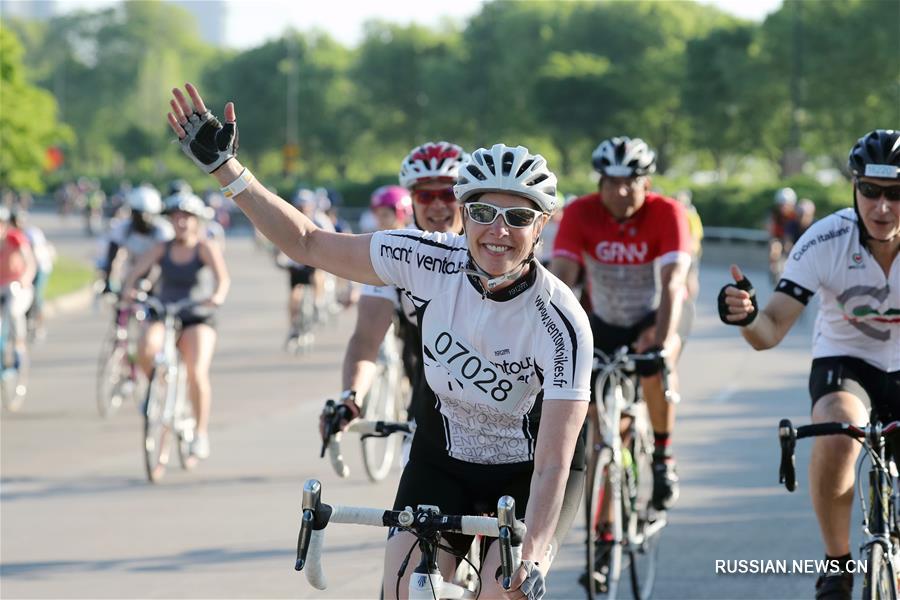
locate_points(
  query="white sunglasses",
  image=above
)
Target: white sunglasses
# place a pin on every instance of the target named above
(517, 216)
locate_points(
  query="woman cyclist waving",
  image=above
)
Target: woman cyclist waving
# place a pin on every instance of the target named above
(507, 349)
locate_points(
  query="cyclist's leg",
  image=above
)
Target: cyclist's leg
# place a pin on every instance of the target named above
(837, 395)
(150, 345)
(295, 297)
(197, 343)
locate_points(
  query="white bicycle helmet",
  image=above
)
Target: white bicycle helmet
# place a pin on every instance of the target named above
(785, 196)
(432, 160)
(188, 203)
(145, 199)
(624, 157)
(508, 169)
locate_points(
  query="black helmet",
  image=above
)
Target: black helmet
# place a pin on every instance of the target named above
(876, 154)
(624, 157)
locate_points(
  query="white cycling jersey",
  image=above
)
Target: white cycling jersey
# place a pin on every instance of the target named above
(137, 243)
(400, 301)
(489, 359)
(860, 306)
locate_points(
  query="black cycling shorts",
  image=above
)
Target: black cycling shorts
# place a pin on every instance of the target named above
(463, 488)
(300, 275)
(879, 390)
(609, 338)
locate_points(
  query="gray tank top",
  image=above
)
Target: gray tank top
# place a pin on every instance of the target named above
(180, 280)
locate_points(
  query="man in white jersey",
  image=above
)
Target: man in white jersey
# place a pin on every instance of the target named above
(506, 346)
(851, 258)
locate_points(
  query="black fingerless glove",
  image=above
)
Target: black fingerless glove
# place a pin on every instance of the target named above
(208, 142)
(745, 285)
(649, 368)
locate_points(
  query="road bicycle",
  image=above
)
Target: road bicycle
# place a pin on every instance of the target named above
(117, 369)
(880, 547)
(168, 416)
(13, 363)
(427, 523)
(620, 479)
(301, 337)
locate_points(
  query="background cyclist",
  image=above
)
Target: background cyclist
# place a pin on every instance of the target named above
(851, 258)
(635, 247)
(180, 263)
(466, 286)
(17, 269)
(137, 234)
(427, 174)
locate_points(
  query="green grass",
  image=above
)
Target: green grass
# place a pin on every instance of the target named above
(68, 276)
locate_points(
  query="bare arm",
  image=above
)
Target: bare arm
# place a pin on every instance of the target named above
(30, 264)
(561, 422)
(211, 255)
(773, 322)
(373, 319)
(143, 264)
(673, 278)
(566, 269)
(345, 255)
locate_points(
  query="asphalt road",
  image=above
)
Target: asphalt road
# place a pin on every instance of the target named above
(79, 520)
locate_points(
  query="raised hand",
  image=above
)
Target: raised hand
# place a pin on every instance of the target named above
(737, 301)
(207, 142)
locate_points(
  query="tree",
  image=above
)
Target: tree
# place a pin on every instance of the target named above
(28, 123)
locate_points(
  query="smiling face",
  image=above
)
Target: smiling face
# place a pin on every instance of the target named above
(435, 206)
(499, 248)
(624, 196)
(880, 215)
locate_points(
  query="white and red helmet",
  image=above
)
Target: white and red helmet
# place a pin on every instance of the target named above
(395, 197)
(432, 161)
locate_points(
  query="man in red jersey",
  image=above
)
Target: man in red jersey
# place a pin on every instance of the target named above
(635, 248)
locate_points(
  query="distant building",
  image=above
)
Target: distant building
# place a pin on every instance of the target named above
(211, 15)
(211, 18)
(29, 9)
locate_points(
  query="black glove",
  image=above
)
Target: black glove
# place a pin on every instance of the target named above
(745, 285)
(208, 142)
(648, 368)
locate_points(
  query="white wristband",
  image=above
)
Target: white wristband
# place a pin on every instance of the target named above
(238, 185)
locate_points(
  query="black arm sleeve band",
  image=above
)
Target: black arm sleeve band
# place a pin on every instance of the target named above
(794, 290)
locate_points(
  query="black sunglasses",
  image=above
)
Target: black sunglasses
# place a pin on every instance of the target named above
(485, 214)
(874, 192)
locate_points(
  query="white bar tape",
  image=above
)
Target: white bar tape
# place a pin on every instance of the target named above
(357, 515)
(480, 526)
(238, 185)
(315, 575)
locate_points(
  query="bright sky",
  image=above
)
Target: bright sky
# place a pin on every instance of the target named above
(252, 22)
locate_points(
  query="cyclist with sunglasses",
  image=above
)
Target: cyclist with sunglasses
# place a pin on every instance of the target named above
(635, 248)
(851, 258)
(427, 174)
(507, 348)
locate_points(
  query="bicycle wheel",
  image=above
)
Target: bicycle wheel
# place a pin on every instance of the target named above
(114, 383)
(184, 422)
(604, 559)
(644, 524)
(879, 582)
(12, 379)
(156, 430)
(380, 405)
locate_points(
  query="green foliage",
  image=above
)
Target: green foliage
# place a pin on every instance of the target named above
(28, 123)
(711, 93)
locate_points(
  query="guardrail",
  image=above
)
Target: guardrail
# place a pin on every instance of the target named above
(735, 234)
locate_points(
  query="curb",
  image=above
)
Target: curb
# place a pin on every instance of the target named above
(68, 303)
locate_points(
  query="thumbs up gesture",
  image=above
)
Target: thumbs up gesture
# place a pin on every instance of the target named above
(737, 301)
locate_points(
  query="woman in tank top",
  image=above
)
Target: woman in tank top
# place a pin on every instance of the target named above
(181, 264)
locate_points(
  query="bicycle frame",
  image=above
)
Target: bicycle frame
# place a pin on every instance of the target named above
(426, 522)
(615, 396)
(880, 520)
